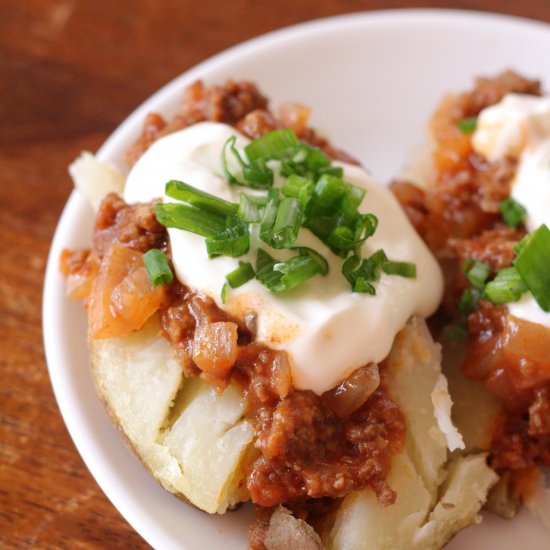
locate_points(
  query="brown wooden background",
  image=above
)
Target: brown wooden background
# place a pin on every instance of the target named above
(70, 71)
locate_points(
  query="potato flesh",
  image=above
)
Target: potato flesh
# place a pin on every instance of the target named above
(432, 503)
(200, 455)
(208, 440)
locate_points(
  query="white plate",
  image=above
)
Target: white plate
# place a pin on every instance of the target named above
(372, 80)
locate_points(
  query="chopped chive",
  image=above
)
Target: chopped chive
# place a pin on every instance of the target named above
(224, 292)
(298, 187)
(469, 300)
(251, 208)
(283, 276)
(507, 286)
(268, 221)
(467, 125)
(403, 269)
(315, 160)
(467, 265)
(336, 171)
(361, 285)
(314, 255)
(478, 273)
(230, 143)
(287, 223)
(232, 241)
(157, 267)
(533, 263)
(274, 145)
(241, 275)
(379, 257)
(512, 212)
(326, 197)
(199, 199)
(189, 218)
(456, 333)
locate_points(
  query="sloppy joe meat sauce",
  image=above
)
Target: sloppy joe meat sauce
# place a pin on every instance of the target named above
(304, 449)
(458, 218)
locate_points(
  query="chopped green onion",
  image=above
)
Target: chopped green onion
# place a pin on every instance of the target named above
(255, 174)
(274, 145)
(314, 255)
(287, 223)
(225, 165)
(315, 159)
(241, 275)
(283, 276)
(507, 286)
(268, 221)
(224, 292)
(336, 171)
(200, 199)
(233, 241)
(478, 273)
(469, 300)
(467, 125)
(251, 208)
(533, 263)
(379, 257)
(467, 265)
(512, 212)
(189, 218)
(360, 274)
(403, 269)
(326, 197)
(298, 187)
(157, 267)
(456, 333)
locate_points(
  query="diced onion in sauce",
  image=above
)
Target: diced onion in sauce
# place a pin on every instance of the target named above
(215, 347)
(354, 391)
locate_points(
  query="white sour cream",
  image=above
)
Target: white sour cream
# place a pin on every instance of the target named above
(519, 127)
(327, 330)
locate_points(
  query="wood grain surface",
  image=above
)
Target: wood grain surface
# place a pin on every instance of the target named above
(70, 71)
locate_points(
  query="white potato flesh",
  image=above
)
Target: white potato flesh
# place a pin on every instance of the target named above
(462, 495)
(199, 456)
(208, 440)
(362, 523)
(475, 408)
(414, 370)
(138, 377)
(432, 503)
(95, 179)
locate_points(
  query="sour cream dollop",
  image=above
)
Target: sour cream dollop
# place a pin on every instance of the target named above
(327, 330)
(518, 127)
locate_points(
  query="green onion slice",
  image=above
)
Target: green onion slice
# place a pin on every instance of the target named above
(507, 286)
(403, 269)
(189, 218)
(200, 199)
(274, 145)
(467, 125)
(233, 241)
(251, 208)
(283, 276)
(157, 267)
(241, 275)
(533, 264)
(299, 188)
(287, 223)
(512, 212)
(477, 274)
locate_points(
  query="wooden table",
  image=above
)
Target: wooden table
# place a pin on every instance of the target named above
(70, 71)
